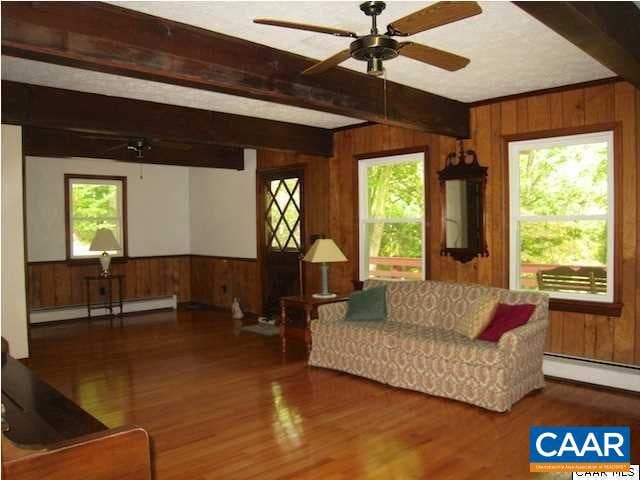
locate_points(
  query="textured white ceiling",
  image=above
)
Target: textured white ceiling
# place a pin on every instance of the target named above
(510, 53)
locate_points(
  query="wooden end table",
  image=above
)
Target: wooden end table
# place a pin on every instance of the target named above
(108, 303)
(310, 305)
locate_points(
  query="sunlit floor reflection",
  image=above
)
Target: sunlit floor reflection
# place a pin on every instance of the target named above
(287, 422)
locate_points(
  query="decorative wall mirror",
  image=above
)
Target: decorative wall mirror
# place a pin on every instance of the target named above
(462, 183)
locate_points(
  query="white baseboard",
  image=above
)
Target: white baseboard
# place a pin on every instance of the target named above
(80, 311)
(597, 373)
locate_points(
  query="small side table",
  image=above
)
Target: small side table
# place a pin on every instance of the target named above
(108, 298)
(310, 306)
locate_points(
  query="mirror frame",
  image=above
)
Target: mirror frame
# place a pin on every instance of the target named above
(464, 166)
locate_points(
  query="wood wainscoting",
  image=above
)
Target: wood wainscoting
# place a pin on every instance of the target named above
(192, 278)
(614, 339)
(61, 283)
(217, 280)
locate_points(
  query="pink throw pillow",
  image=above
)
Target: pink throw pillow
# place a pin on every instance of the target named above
(506, 317)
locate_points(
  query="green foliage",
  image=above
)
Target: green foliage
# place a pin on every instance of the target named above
(568, 180)
(395, 192)
(94, 206)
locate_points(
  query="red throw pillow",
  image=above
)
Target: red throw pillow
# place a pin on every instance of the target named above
(506, 317)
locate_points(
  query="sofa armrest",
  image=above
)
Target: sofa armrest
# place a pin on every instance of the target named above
(522, 337)
(332, 312)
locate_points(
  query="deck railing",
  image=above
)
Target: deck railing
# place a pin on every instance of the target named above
(396, 268)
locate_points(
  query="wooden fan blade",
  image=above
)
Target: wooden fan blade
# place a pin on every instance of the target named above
(174, 145)
(433, 16)
(103, 137)
(303, 26)
(117, 147)
(433, 56)
(330, 62)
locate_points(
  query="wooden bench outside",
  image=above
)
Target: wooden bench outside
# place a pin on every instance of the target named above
(567, 279)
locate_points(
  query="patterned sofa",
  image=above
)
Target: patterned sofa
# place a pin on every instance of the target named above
(417, 348)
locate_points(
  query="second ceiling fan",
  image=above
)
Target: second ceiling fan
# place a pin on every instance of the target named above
(375, 47)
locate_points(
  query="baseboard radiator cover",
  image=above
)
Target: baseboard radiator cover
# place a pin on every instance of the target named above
(625, 377)
(80, 311)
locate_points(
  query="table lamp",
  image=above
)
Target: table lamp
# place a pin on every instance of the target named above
(104, 241)
(324, 251)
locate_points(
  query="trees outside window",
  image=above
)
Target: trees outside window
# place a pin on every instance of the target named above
(561, 215)
(391, 216)
(94, 202)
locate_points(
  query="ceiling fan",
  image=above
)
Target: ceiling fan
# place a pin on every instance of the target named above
(375, 47)
(138, 145)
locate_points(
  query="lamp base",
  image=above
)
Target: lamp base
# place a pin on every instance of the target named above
(105, 262)
(324, 295)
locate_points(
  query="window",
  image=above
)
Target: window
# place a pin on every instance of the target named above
(392, 217)
(561, 216)
(94, 202)
(283, 207)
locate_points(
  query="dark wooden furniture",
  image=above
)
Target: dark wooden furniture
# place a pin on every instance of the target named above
(48, 436)
(309, 304)
(108, 297)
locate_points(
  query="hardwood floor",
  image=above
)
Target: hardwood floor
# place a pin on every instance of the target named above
(224, 404)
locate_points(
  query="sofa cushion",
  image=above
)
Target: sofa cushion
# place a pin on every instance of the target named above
(506, 317)
(479, 314)
(434, 342)
(367, 305)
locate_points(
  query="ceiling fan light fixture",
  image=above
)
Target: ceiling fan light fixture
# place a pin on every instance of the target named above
(374, 67)
(374, 48)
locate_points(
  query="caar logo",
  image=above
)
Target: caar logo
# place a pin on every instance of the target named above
(579, 449)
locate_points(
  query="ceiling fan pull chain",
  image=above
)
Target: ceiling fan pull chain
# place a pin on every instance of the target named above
(141, 172)
(384, 79)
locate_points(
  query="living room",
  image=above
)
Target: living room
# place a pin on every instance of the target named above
(222, 181)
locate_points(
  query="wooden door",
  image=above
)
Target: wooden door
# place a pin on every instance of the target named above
(282, 218)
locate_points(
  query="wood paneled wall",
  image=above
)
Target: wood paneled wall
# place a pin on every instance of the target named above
(331, 209)
(211, 280)
(606, 338)
(216, 281)
(57, 284)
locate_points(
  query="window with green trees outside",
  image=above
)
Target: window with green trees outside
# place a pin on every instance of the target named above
(94, 203)
(391, 217)
(561, 216)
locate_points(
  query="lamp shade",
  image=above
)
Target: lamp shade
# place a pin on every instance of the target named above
(104, 241)
(324, 250)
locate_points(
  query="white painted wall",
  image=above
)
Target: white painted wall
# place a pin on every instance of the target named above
(157, 205)
(14, 303)
(223, 210)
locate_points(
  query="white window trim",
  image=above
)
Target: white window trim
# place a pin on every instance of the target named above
(515, 217)
(79, 180)
(363, 210)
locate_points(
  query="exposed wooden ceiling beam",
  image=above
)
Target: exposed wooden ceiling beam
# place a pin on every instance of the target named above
(87, 112)
(45, 142)
(111, 39)
(608, 31)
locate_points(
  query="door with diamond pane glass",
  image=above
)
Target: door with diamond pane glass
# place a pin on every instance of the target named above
(283, 217)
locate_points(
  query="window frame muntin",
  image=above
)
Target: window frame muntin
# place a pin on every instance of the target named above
(96, 179)
(389, 158)
(608, 133)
